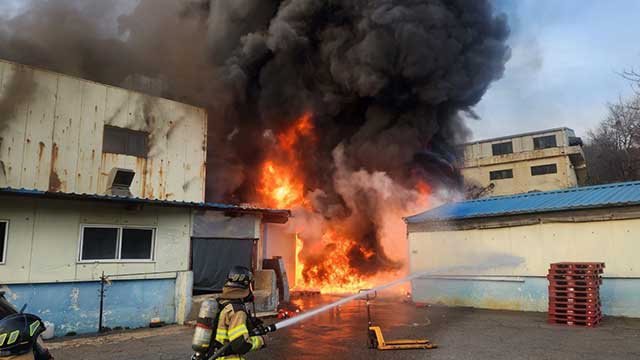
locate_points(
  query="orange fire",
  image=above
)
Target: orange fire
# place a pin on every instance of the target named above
(334, 275)
(298, 262)
(425, 190)
(282, 186)
(302, 128)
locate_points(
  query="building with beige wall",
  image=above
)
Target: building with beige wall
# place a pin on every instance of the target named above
(495, 253)
(537, 161)
(98, 180)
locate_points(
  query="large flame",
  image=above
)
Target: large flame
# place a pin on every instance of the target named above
(280, 186)
(328, 269)
(333, 274)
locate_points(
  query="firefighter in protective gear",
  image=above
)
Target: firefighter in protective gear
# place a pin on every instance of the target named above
(234, 323)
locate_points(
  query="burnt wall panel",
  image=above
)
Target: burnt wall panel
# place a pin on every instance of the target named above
(51, 130)
(210, 224)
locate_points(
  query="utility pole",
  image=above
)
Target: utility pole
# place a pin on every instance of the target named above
(103, 280)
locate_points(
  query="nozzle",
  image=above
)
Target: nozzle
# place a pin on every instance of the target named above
(271, 328)
(263, 330)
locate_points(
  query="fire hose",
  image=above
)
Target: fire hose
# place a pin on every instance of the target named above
(262, 330)
(209, 308)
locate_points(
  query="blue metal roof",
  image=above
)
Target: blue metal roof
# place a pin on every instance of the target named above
(589, 197)
(129, 200)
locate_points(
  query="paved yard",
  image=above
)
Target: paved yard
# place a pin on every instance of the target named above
(462, 333)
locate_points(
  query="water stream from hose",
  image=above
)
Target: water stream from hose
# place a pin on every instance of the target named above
(343, 301)
(494, 261)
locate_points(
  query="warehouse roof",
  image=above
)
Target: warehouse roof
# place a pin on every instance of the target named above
(276, 215)
(589, 197)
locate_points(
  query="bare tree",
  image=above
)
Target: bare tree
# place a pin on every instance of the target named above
(613, 148)
(634, 77)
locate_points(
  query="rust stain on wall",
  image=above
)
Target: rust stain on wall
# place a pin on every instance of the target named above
(41, 147)
(55, 184)
(148, 190)
(162, 180)
(141, 170)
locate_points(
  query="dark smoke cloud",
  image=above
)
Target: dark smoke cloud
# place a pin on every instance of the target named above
(385, 79)
(16, 90)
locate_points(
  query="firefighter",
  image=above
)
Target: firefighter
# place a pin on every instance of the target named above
(234, 323)
(20, 334)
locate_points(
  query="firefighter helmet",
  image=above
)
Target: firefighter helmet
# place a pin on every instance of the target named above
(19, 332)
(239, 277)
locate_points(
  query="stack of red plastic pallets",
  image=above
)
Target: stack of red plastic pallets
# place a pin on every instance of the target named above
(574, 293)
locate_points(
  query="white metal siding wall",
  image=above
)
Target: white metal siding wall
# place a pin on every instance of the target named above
(44, 236)
(52, 128)
(613, 242)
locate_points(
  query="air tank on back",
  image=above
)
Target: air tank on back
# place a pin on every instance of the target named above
(203, 336)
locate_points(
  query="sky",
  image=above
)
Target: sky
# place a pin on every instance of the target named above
(567, 56)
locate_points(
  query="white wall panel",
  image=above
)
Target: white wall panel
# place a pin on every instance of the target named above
(44, 237)
(613, 242)
(52, 137)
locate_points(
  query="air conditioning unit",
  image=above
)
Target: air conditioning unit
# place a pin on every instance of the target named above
(120, 181)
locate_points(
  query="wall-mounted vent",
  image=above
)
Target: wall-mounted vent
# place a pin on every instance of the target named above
(120, 181)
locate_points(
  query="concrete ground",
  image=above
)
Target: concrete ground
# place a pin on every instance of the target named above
(461, 333)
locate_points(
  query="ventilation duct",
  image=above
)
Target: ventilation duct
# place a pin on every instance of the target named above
(120, 181)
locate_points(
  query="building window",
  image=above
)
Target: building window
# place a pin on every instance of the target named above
(125, 141)
(501, 174)
(544, 142)
(4, 234)
(114, 243)
(502, 148)
(137, 244)
(544, 169)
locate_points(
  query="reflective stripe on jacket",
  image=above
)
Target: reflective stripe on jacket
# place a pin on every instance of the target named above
(232, 326)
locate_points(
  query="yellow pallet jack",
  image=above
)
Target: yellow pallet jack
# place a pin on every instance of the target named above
(377, 341)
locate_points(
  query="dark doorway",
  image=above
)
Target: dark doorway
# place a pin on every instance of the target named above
(212, 258)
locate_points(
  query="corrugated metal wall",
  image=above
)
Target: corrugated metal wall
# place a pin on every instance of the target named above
(51, 129)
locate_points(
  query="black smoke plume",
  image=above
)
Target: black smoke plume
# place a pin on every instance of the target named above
(385, 80)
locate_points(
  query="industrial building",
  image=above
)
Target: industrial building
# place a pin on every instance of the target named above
(495, 252)
(96, 179)
(535, 161)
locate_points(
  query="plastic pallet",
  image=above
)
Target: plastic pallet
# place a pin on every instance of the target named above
(570, 300)
(576, 277)
(575, 283)
(574, 317)
(589, 324)
(575, 306)
(574, 294)
(583, 272)
(574, 312)
(583, 289)
(584, 318)
(578, 265)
